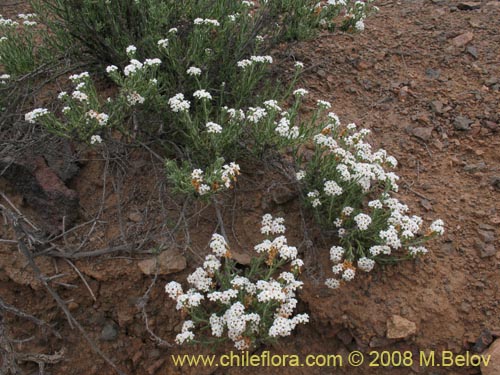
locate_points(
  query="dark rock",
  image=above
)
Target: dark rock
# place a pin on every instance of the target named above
(475, 167)
(486, 236)
(485, 250)
(468, 5)
(345, 336)
(495, 182)
(283, 194)
(471, 50)
(43, 190)
(109, 332)
(437, 106)
(484, 340)
(422, 133)
(462, 123)
(432, 73)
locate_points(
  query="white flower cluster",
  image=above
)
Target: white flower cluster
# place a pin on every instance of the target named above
(4, 78)
(135, 98)
(202, 94)
(243, 64)
(101, 118)
(35, 114)
(206, 21)
(233, 313)
(228, 175)
(178, 104)
(194, 71)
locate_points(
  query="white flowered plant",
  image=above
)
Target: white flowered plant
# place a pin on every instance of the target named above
(349, 186)
(247, 307)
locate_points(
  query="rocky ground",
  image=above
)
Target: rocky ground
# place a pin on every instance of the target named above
(425, 78)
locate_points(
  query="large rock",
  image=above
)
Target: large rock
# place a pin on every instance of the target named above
(43, 190)
(400, 328)
(493, 367)
(167, 262)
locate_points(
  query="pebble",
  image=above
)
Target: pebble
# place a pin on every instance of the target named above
(109, 332)
(422, 133)
(469, 5)
(462, 123)
(400, 328)
(463, 39)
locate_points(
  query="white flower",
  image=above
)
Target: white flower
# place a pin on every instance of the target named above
(336, 254)
(202, 94)
(134, 98)
(95, 139)
(363, 221)
(299, 65)
(131, 50)
(366, 264)
(173, 30)
(360, 25)
(183, 337)
(152, 62)
(162, 43)
(133, 67)
(206, 21)
(324, 104)
(79, 77)
(300, 175)
(200, 280)
(111, 69)
(332, 283)
(332, 188)
(212, 127)
(300, 92)
(272, 104)
(348, 274)
(347, 211)
(219, 245)
(36, 113)
(173, 289)
(416, 250)
(178, 104)
(193, 71)
(437, 227)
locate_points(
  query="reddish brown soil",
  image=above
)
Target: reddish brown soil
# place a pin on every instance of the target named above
(393, 78)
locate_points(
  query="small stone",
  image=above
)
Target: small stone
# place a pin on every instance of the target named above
(491, 81)
(379, 342)
(465, 307)
(468, 5)
(167, 262)
(486, 236)
(495, 182)
(400, 328)
(437, 106)
(72, 306)
(432, 73)
(475, 167)
(109, 332)
(463, 39)
(283, 194)
(493, 367)
(485, 250)
(462, 123)
(471, 50)
(241, 257)
(136, 217)
(345, 336)
(426, 204)
(422, 133)
(484, 340)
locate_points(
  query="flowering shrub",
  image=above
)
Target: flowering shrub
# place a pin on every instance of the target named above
(349, 188)
(17, 44)
(213, 37)
(248, 307)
